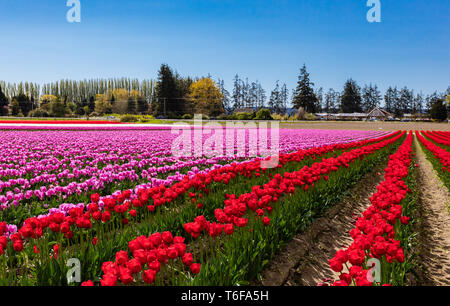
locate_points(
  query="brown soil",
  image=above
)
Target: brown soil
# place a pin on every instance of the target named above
(304, 260)
(435, 234)
(360, 125)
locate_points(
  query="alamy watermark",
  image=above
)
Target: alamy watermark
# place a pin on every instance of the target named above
(374, 14)
(74, 13)
(374, 274)
(236, 139)
(74, 273)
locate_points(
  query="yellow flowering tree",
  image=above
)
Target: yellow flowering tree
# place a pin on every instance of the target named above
(206, 97)
(102, 105)
(46, 100)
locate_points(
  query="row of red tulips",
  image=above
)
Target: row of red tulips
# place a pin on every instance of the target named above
(438, 137)
(437, 150)
(377, 234)
(84, 226)
(150, 256)
(125, 209)
(439, 153)
(235, 214)
(260, 200)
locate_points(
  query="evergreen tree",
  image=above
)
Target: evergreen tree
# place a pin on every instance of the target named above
(304, 93)
(390, 99)
(371, 97)
(24, 103)
(430, 100)
(142, 105)
(253, 95)
(438, 110)
(245, 93)
(351, 98)
(406, 98)
(284, 95)
(447, 99)
(418, 103)
(275, 101)
(237, 92)
(3, 103)
(320, 99)
(226, 96)
(32, 102)
(261, 96)
(91, 104)
(166, 93)
(183, 104)
(447, 102)
(331, 101)
(182, 85)
(397, 107)
(131, 105)
(15, 107)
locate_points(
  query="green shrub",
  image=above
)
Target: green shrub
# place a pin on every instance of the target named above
(310, 117)
(277, 117)
(38, 113)
(173, 115)
(128, 118)
(58, 109)
(263, 114)
(244, 116)
(146, 119)
(187, 117)
(223, 117)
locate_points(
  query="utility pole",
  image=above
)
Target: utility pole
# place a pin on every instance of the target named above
(165, 115)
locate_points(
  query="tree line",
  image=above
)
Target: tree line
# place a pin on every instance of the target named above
(356, 99)
(74, 97)
(174, 96)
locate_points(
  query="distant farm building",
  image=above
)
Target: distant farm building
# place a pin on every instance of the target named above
(342, 116)
(376, 113)
(380, 114)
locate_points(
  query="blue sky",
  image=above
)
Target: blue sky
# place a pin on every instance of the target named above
(259, 39)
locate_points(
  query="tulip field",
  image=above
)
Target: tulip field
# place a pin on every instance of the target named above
(113, 206)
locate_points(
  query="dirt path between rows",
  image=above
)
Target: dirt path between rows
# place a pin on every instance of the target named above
(304, 260)
(435, 233)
